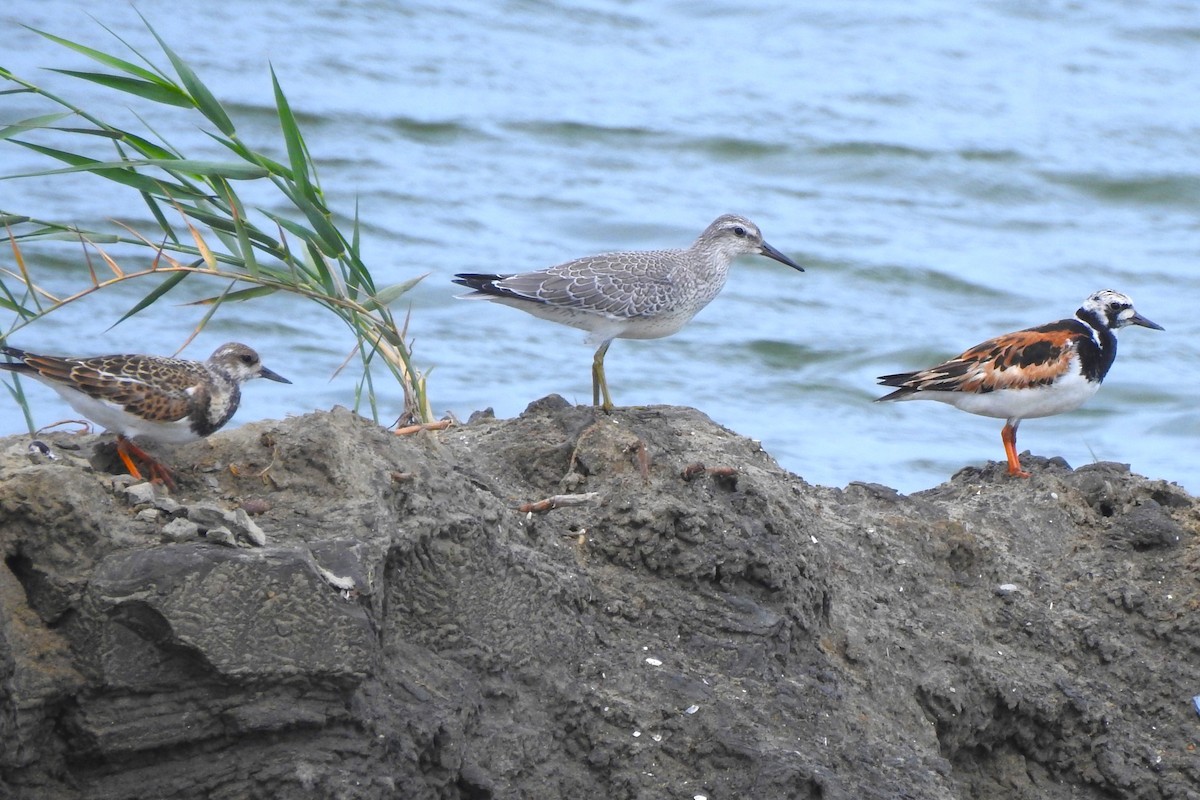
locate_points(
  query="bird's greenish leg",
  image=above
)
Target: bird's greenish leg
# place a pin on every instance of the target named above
(599, 384)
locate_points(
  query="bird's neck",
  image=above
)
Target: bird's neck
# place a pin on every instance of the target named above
(715, 268)
(1096, 356)
(219, 406)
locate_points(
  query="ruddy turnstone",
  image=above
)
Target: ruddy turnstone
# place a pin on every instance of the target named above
(630, 295)
(167, 400)
(1036, 372)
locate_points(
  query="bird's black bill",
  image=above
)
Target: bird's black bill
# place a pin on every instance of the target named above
(771, 252)
(1138, 319)
(272, 376)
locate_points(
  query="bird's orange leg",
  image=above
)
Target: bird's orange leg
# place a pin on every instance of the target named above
(127, 451)
(127, 457)
(1009, 436)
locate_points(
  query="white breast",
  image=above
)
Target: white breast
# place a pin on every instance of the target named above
(1068, 394)
(113, 418)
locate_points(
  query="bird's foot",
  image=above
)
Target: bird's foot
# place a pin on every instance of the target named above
(127, 451)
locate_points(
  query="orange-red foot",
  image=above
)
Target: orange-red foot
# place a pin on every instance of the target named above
(127, 451)
(1009, 436)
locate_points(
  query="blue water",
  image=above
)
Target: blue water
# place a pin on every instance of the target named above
(945, 172)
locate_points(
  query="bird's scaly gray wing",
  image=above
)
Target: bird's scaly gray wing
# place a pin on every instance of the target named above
(620, 285)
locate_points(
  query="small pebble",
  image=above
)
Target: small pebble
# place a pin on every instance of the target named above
(654, 662)
(248, 528)
(122, 481)
(256, 505)
(179, 530)
(140, 493)
(206, 515)
(1006, 589)
(237, 522)
(221, 535)
(39, 449)
(167, 505)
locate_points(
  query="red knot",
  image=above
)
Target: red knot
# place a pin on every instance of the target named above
(641, 294)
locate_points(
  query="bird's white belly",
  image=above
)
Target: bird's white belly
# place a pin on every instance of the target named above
(113, 418)
(601, 326)
(654, 327)
(1042, 401)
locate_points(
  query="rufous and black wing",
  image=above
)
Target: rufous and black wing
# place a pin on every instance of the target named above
(1022, 359)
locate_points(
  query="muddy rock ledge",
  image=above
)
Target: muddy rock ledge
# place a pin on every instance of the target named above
(326, 610)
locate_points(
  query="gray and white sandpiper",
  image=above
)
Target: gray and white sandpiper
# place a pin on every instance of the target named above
(168, 400)
(641, 294)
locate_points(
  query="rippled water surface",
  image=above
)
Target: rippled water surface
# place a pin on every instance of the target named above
(945, 172)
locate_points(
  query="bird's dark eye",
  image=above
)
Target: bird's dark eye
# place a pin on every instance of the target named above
(246, 358)
(738, 230)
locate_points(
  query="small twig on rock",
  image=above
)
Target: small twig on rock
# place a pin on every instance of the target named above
(692, 471)
(400, 477)
(85, 426)
(581, 545)
(440, 425)
(265, 475)
(643, 459)
(557, 501)
(266, 440)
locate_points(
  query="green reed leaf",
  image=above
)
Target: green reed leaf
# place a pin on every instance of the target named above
(390, 294)
(230, 170)
(205, 101)
(155, 91)
(102, 57)
(33, 123)
(167, 285)
(292, 139)
(116, 171)
(234, 297)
